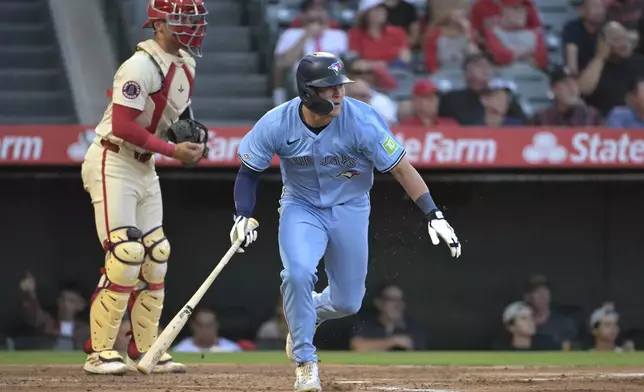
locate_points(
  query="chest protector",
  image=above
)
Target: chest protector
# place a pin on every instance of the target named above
(164, 106)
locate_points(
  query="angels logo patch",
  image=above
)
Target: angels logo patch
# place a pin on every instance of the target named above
(131, 90)
(348, 174)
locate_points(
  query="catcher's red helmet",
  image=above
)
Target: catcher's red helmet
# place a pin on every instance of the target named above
(185, 18)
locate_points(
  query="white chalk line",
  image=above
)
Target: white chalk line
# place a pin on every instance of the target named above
(531, 379)
(625, 375)
(389, 388)
(410, 389)
(580, 376)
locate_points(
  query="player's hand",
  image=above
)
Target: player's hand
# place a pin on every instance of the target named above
(188, 153)
(240, 230)
(28, 283)
(439, 229)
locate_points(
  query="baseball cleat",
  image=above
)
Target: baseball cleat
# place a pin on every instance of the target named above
(307, 378)
(165, 365)
(105, 362)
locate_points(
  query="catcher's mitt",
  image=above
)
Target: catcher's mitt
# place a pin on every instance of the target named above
(188, 130)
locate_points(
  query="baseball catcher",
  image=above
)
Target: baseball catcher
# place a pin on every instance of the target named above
(149, 113)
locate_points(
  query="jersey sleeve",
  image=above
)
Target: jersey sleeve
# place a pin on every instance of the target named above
(134, 82)
(378, 144)
(257, 147)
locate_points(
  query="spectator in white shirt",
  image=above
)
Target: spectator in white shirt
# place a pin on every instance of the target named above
(205, 335)
(314, 36)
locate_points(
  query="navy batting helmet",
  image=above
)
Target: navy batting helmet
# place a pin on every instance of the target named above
(319, 69)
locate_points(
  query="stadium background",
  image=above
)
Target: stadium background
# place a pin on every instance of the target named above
(580, 225)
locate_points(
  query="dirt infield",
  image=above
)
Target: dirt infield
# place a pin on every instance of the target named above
(220, 378)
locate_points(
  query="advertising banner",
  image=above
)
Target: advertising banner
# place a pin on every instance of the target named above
(444, 147)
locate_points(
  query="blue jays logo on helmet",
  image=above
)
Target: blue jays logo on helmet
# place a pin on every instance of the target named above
(336, 67)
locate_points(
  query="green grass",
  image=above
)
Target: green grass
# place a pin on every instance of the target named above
(434, 358)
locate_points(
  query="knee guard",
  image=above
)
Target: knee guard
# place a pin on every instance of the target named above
(146, 302)
(157, 254)
(123, 259)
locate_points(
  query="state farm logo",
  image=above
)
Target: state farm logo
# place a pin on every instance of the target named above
(20, 148)
(583, 148)
(607, 148)
(544, 148)
(437, 147)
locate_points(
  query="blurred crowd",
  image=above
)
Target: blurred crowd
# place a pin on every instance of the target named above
(532, 323)
(600, 80)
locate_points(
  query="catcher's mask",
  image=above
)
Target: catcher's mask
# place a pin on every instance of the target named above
(185, 18)
(317, 70)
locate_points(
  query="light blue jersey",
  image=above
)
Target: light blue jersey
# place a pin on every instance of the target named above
(327, 169)
(325, 207)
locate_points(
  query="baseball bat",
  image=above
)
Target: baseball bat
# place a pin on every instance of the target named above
(161, 344)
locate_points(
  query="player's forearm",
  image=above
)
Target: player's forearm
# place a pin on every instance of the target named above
(124, 126)
(245, 192)
(415, 186)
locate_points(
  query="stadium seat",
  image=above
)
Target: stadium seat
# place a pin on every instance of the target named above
(405, 80)
(33, 82)
(231, 88)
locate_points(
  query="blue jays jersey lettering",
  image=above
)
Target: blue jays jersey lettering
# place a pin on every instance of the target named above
(325, 169)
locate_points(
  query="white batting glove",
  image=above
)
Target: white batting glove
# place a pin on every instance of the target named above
(240, 230)
(438, 227)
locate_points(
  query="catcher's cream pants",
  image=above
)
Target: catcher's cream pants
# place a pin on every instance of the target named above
(124, 191)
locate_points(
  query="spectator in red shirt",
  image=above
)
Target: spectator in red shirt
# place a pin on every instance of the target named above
(487, 13)
(425, 103)
(512, 40)
(374, 40)
(449, 41)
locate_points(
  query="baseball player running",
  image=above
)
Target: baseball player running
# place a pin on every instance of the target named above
(328, 146)
(151, 92)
